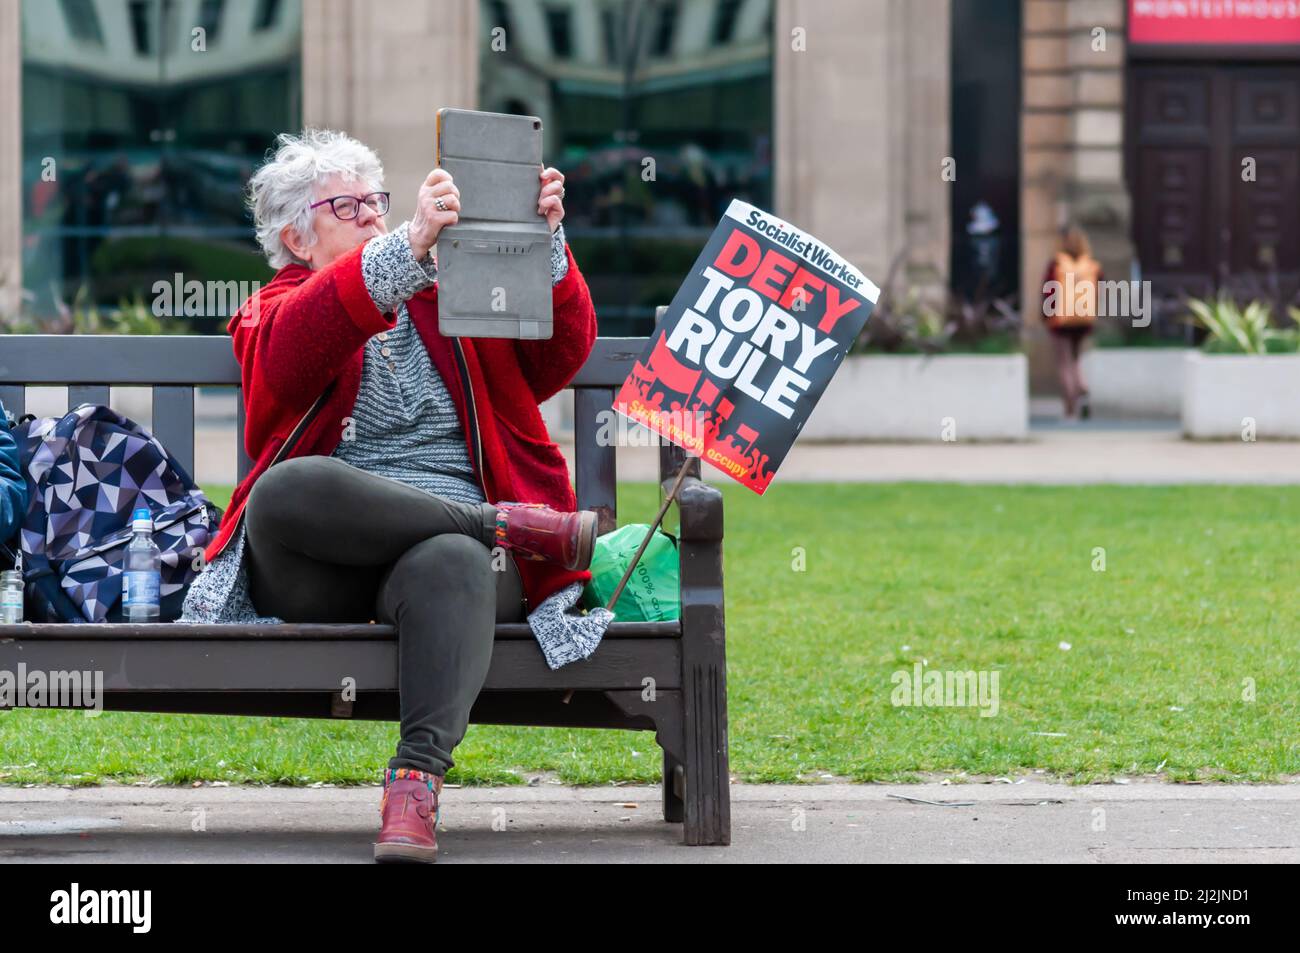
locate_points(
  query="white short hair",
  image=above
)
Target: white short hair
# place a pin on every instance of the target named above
(280, 192)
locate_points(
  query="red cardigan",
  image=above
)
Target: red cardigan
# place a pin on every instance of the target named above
(306, 330)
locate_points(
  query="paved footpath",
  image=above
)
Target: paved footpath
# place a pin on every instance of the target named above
(1050, 456)
(1026, 822)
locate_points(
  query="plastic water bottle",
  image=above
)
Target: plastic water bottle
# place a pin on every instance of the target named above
(143, 575)
(11, 596)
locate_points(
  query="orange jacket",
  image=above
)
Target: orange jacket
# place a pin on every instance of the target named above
(1085, 269)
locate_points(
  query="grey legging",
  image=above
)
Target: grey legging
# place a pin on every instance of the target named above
(328, 542)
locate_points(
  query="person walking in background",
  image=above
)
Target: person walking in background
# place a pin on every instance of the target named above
(1069, 312)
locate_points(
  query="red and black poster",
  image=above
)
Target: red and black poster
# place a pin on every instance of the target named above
(751, 339)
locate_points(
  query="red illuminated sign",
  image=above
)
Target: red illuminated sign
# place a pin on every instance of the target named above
(1214, 21)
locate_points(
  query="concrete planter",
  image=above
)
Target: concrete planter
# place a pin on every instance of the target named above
(1220, 391)
(902, 397)
(1135, 381)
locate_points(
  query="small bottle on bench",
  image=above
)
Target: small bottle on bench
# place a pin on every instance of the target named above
(143, 574)
(11, 596)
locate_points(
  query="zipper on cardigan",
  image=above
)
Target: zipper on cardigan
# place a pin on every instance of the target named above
(473, 414)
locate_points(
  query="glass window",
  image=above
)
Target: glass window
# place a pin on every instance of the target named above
(557, 27)
(659, 115)
(667, 24)
(610, 25)
(268, 12)
(498, 15)
(210, 19)
(136, 153)
(82, 21)
(141, 26)
(724, 21)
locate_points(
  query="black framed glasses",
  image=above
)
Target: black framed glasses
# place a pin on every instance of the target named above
(348, 207)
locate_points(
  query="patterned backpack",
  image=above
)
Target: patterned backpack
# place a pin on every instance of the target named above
(86, 472)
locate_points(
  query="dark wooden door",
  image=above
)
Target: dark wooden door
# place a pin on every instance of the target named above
(1214, 168)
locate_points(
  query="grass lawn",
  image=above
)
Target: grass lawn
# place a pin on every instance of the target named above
(1179, 659)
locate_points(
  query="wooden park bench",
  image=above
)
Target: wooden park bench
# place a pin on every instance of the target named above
(666, 677)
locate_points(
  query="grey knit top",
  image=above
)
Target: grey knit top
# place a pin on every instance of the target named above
(404, 427)
(404, 424)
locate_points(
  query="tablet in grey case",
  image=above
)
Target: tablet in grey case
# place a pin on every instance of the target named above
(494, 265)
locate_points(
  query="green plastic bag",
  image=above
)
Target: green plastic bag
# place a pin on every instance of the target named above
(653, 593)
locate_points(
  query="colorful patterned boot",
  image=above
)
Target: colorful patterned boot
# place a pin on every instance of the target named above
(410, 814)
(536, 531)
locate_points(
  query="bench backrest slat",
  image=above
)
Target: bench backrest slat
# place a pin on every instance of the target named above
(14, 398)
(596, 479)
(173, 422)
(609, 362)
(79, 394)
(141, 359)
(244, 463)
(595, 460)
(121, 359)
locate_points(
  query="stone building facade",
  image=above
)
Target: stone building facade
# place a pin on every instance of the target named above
(862, 100)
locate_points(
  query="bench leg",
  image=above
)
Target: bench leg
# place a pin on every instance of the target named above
(673, 783)
(691, 728)
(707, 798)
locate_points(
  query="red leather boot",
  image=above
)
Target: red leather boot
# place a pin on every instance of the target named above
(410, 811)
(536, 531)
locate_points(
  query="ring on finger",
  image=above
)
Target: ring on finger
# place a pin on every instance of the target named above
(440, 204)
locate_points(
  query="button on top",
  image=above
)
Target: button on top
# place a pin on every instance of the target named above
(386, 351)
(383, 335)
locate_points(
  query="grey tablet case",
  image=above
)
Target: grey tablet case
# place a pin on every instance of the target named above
(494, 265)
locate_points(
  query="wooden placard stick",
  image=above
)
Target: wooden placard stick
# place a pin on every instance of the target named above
(663, 509)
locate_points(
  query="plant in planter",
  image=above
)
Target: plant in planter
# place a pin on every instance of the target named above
(906, 324)
(1233, 329)
(912, 321)
(985, 325)
(1244, 383)
(84, 316)
(1294, 314)
(925, 358)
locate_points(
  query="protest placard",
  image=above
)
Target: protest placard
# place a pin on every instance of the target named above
(740, 358)
(746, 349)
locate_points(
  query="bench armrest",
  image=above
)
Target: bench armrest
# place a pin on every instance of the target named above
(699, 508)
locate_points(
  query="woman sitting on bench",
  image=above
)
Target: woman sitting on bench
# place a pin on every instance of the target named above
(418, 486)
